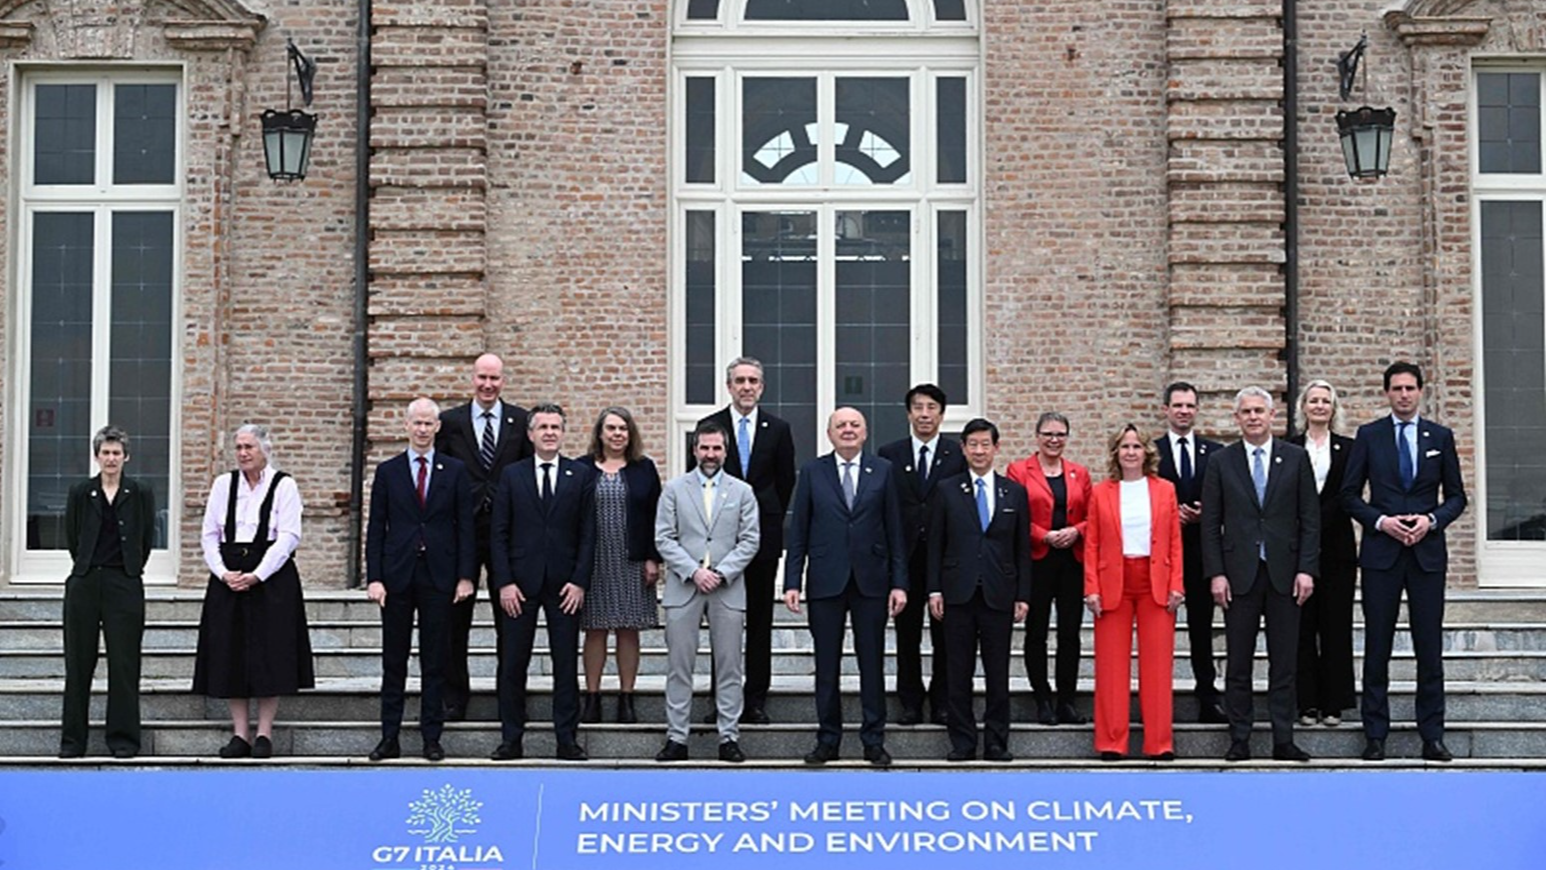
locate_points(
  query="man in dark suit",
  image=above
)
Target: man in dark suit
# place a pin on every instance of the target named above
(418, 557)
(487, 434)
(918, 462)
(980, 584)
(762, 453)
(1261, 533)
(1407, 462)
(846, 521)
(1184, 459)
(543, 539)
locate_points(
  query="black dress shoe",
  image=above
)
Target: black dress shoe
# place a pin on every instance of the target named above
(1111, 756)
(626, 714)
(822, 753)
(878, 755)
(1067, 715)
(672, 751)
(570, 752)
(124, 753)
(1290, 752)
(510, 751)
(1374, 750)
(1164, 756)
(1045, 713)
(262, 747)
(236, 747)
(754, 716)
(911, 716)
(433, 751)
(1434, 750)
(74, 752)
(730, 751)
(591, 713)
(962, 755)
(386, 748)
(997, 755)
(1239, 750)
(1210, 713)
(456, 712)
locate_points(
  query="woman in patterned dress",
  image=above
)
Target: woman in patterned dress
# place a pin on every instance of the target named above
(622, 596)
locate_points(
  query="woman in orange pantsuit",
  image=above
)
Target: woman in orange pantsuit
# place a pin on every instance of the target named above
(1133, 574)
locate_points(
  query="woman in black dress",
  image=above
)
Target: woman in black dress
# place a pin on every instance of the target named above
(252, 633)
(1325, 671)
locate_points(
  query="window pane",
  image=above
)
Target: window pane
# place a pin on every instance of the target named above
(778, 139)
(64, 149)
(700, 131)
(59, 414)
(951, 316)
(1516, 461)
(144, 135)
(871, 131)
(140, 342)
(951, 135)
(950, 10)
(703, 10)
(871, 335)
(699, 356)
(827, 10)
(778, 314)
(1509, 115)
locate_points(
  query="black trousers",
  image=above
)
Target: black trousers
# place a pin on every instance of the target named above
(111, 602)
(1426, 616)
(868, 616)
(910, 641)
(1324, 680)
(397, 626)
(1059, 579)
(563, 636)
(1246, 613)
(458, 683)
(1200, 616)
(758, 650)
(972, 627)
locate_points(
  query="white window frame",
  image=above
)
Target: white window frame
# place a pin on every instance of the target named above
(102, 200)
(728, 51)
(1499, 563)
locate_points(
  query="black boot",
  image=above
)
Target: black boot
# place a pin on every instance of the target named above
(592, 714)
(626, 715)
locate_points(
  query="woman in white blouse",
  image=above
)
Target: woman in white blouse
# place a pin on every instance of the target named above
(1133, 576)
(252, 632)
(1324, 674)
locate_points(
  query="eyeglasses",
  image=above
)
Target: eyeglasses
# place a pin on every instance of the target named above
(1053, 436)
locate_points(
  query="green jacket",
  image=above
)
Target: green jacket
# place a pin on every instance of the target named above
(136, 523)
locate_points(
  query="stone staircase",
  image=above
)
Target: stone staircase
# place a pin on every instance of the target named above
(1495, 664)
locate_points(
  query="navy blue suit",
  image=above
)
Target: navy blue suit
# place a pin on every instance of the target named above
(418, 553)
(540, 548)
(1388, 567)
(1200, 602)
(851, 556)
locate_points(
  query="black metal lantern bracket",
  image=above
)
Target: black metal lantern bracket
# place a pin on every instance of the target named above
(287, 135)
(1348, 67)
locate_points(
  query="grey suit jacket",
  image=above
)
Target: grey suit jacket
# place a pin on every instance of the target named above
(683, 534)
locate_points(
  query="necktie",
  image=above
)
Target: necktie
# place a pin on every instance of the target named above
(547, 481)
(923, 466)
(1405, 455)
(486, 444)
(1260, 481)
(982, 505)
(423, 478)
(1185, 469)
(743, 444)
(708, 513)
(848, 484)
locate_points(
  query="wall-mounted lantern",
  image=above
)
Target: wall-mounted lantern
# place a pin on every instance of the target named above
(1365, 132)
(287, 135)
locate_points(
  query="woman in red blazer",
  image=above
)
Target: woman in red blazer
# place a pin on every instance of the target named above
(1133, 574)
(1057, 491)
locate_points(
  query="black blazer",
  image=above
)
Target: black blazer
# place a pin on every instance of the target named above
(863, 541)
(398, 526)
(946, 462)
(532, 545)
(962, 556)
(1338, 550)
(458, 439)
(1202, 450)
(770, 473)
(1374, 460)
(643, 481)
(136, 509)
(1287, 521)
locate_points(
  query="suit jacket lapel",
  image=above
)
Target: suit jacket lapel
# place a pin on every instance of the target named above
(828, 468)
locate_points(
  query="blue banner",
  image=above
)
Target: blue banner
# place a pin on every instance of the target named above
(498, 819)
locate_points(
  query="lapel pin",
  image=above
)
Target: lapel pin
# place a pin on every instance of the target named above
(1337, 447)
(1277, 460)
(439, 467)
(568, 473)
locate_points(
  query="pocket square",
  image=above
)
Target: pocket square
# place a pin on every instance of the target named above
(1429, 454)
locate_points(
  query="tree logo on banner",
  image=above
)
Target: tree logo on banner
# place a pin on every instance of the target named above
(443, 816)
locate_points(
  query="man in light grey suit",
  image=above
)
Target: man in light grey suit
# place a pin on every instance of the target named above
(706, 528)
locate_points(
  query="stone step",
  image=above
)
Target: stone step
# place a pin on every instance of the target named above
(1513, 744)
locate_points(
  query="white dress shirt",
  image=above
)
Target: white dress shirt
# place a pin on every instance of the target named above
(284, 522)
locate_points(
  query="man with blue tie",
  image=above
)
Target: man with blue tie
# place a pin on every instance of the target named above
(1415, 492)
(543, 540)
(980, 584)
(846, 521)
(419, 556)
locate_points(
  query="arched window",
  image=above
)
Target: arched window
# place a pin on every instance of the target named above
(826, 191)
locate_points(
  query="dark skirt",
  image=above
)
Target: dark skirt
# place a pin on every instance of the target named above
(254, 644)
